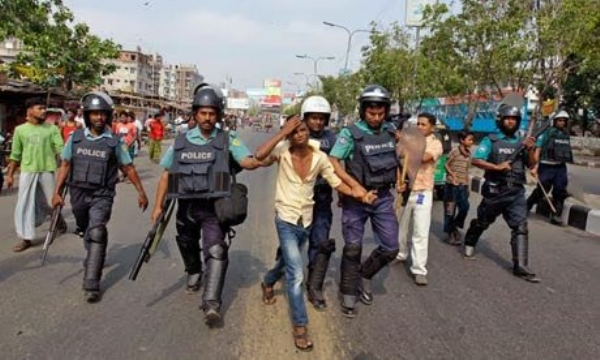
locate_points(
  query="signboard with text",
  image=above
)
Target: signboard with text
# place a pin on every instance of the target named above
(414, 11)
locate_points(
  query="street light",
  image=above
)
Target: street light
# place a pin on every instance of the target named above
(350, 35)
(315, 62)
(305, 78)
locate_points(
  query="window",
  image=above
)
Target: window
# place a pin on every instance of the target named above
(118, 80)
(132, 71)
(133, 57)
(110, 81)
(132, 83)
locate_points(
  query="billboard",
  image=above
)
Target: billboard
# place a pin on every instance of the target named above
(273, 93)
(414, 11)
(238, 104)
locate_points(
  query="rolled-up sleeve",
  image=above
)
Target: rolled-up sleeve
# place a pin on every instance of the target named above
(327, 172)
(435, 149)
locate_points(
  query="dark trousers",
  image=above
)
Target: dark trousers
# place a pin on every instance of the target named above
(321, 224)
(90, 209)
(552, 177)
(196, 217)
(456, 206)
(499, 200)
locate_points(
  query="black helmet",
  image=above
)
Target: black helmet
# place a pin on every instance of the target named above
(505, 111)
(98, 101)
(374, 94)
(208, 97)
(215, 88)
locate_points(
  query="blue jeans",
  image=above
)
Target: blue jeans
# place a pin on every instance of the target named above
(456, 197)
(291, 240)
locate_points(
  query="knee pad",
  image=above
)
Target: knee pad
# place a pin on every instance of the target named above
(352, 252)
(388, 255)
(521, 229)
(218, 252)
(98, 234)
(327, 247)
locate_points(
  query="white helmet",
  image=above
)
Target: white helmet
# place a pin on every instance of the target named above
(560, 114)
(316, 104)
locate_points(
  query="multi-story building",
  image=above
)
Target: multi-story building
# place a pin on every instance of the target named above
(9, 49)
(186, 78)
(135, 73)
(168, 82)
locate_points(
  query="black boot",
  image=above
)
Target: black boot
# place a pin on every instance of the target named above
(193, 283)
(520, 252)
(316, 275)
(93, 271)
(375, 262)
(216, 268)
(190, 254)
(556, 219)
(350, 277)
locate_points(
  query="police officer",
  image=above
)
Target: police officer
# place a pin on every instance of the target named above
(554, 152)
(91, 159)
(504, 188)
(199, 165)
(368, 149)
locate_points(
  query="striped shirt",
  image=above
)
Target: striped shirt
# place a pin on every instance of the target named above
(459, 164)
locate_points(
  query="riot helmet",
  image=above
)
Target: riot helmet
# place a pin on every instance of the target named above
(505, 111)
(561, 114)
(217, 90)
(316, 105)
(97, 101)
(374, 95)
(208, 97)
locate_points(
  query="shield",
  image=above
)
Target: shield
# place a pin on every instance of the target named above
(575, 187)
(410, 149)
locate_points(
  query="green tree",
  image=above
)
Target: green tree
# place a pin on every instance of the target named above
(342, 91)
(389, 61)
(22, 18)
(66, 56)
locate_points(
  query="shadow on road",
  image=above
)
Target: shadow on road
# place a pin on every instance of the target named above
(244, 271)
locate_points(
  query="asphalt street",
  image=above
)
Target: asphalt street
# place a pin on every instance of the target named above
(470, 310)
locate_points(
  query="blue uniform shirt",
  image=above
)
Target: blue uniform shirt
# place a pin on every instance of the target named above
(344, 145)
(123, 157)
(485, 146)
(237, 148)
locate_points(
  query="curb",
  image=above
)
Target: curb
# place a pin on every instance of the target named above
(574, 215)
(589, 164)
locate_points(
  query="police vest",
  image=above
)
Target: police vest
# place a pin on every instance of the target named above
(501, 151)
(374, 162)
(200, 171)
(557, 147)
(326, 142)
(94, 162)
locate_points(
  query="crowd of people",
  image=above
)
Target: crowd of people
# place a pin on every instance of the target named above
(363, 163)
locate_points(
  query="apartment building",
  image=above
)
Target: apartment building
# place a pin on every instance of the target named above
(134, 73)
(9, 49)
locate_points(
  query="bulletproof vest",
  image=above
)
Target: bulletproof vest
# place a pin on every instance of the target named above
(374, 160)
(502, 151)
(200, 171)
(326, 140)
(94, 162)
(557, 147)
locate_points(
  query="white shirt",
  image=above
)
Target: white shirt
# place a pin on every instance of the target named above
(294, 196)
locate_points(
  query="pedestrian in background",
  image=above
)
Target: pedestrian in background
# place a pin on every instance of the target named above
(456, 191)
(35, 147)
(156, 133)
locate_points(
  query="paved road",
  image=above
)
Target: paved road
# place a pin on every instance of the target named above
(470, 310)
(586, 178)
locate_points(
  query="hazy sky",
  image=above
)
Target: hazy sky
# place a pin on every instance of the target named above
(247, 40)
